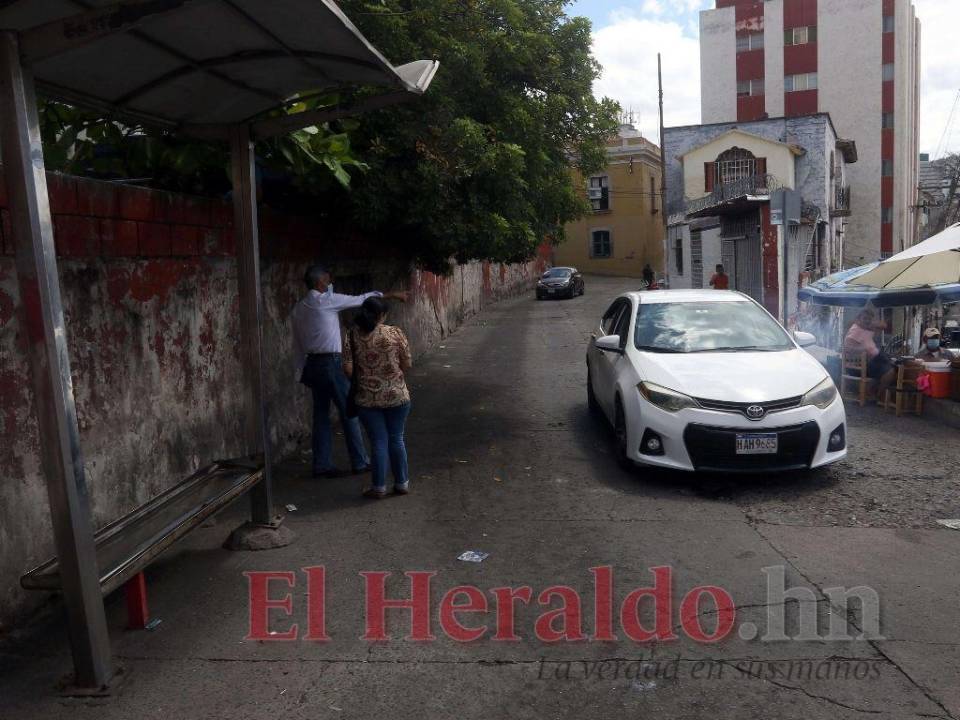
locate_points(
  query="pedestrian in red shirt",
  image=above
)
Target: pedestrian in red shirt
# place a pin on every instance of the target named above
(720, 280)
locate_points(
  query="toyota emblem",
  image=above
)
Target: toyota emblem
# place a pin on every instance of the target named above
(756, 412)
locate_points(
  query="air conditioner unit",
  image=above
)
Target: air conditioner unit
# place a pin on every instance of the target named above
(595, 193)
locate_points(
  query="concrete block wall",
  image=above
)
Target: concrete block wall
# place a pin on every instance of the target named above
(150, 296)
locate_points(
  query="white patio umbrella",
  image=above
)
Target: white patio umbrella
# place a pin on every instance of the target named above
(934, 262)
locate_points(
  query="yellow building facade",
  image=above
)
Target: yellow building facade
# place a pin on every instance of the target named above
(624, 231)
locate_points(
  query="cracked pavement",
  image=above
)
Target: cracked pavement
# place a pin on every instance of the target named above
(506, 459)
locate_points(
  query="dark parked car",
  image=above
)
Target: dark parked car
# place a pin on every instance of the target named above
(560, 282)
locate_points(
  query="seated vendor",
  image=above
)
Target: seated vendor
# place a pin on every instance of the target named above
(860, 339)
(931, 350)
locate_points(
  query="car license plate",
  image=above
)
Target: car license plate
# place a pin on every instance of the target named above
(551, 291)
(765, 444)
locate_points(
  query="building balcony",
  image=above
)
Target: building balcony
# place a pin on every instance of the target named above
(840, 207)
(734, 197)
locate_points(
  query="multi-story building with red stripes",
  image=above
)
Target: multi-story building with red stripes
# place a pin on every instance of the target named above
(859, 61)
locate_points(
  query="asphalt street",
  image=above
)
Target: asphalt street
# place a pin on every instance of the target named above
(506, 460)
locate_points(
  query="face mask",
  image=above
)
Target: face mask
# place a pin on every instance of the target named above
(933, 344)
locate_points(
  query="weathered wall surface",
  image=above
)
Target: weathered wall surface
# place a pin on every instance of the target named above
(150, 295)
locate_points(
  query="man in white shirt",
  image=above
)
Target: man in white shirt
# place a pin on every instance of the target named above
(317, 347)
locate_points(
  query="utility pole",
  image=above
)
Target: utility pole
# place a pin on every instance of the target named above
(663, 171)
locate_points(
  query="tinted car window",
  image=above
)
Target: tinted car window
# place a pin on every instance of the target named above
(622, 328)
(708, 327)
(610, 317)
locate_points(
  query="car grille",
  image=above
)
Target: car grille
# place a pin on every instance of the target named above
(715, 448)
(741, 407)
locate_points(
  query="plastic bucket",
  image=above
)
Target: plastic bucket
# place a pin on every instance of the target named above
(939, 381)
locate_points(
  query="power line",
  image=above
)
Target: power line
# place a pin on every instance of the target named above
(941, 147)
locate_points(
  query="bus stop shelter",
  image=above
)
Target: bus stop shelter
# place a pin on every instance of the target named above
(213, 69)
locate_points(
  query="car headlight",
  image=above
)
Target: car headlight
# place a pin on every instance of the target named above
(665, 398)
(822, 395)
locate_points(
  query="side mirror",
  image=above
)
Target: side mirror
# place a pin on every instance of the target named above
(804, 339)
(609, 343)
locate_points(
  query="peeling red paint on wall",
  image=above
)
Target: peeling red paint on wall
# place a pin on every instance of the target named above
(154, 343)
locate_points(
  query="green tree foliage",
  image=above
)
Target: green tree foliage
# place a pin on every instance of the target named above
(479, 167)
(87, 143)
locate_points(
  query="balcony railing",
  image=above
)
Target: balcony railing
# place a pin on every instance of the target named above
(754, 185)
(841, 202)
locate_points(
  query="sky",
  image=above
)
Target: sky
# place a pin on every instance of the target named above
(628, 34)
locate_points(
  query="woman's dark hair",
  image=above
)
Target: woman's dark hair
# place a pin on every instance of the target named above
(372, 310)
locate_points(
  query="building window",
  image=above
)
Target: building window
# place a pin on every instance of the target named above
(751, 41)
(800, 35)
(886, 216)
(887, 121)
(888, 71)
(696, 259)
(735, 164)
(653, 195)
(600, 244)
(749, 88)
(889, 23)
(599, 192)
(886, 168)
(678, 255)
(799, 83)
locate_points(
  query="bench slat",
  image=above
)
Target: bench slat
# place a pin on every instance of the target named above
(126, 546)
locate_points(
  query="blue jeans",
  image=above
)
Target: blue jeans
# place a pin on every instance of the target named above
(324, 376)
(385, 429)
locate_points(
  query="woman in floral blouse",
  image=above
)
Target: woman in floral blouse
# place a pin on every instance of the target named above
(377, 356)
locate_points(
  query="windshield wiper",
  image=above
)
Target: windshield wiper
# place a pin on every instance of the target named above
(747, 348)
(655, 349)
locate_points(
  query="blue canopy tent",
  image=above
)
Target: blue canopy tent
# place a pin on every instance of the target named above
(845, 289)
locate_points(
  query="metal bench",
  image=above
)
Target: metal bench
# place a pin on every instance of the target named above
(125, 547)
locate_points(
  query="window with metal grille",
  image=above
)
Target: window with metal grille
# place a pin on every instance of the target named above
(600, 244)
(886, 215)
(886, 168)
(696, 259)
(735, 164)
(889, 23)
(599, 192)
(887, 121)
(889, 71)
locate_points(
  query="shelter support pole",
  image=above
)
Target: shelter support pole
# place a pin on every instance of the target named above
(41, 312)
(246, 227)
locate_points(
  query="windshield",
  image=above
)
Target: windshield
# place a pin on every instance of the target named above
(557, 273)
(708, 327)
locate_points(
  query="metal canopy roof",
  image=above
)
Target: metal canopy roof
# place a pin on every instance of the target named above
(206, 67)
(197, 62)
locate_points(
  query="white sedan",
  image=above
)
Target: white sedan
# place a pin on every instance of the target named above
(709, 380)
